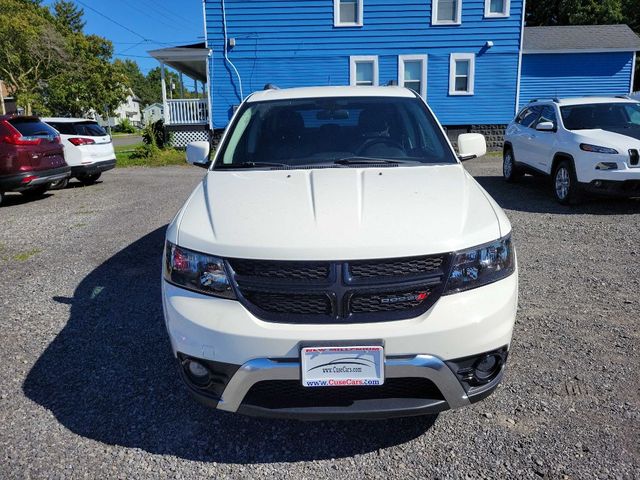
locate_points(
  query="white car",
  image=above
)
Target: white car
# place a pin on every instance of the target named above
(337, 261)
(88, 148)
(585, 144)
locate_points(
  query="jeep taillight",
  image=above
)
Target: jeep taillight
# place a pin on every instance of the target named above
(81, 141)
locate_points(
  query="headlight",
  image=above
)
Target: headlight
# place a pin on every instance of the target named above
(196, 271)
(597, 149)
(482, 265)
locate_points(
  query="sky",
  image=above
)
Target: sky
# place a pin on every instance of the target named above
(137, 26)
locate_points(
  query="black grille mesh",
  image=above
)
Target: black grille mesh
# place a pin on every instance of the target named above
(291, 304)
(281, 270)
(388, 302)
(276, 394)
(340, 292)
(395, 268)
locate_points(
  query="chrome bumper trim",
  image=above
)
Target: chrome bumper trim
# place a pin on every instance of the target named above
(420, 366)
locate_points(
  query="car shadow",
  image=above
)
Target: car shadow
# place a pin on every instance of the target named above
(110, 376)
(13, 199)
(533, 194)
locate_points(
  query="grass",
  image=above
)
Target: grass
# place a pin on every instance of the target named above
(169, 156)
(24, 256)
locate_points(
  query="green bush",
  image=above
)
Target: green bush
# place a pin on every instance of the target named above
(155, 135)
(126, 126)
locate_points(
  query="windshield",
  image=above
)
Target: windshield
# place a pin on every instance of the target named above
(605, 116)
(334, 131)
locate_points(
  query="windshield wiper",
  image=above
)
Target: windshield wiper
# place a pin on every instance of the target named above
(255, 165)
(371, 161)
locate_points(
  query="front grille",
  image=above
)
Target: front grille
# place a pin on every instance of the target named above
(388, 302)
(395, 268)
(276, 394)
(291, 304)
(281, 270)
(340, 292)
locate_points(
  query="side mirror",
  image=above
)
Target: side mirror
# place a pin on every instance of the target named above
(198, 154)
(471, 145)
(546, 127)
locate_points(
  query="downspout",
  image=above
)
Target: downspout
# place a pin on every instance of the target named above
(226, 44)
(524, 13)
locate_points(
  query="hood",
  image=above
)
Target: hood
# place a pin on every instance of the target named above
(621, 139)
(339, 213)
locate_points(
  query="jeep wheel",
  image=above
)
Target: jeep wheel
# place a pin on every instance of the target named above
(565, 184)
(510, 171)
(1, 198)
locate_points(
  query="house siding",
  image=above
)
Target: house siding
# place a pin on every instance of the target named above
(575, 74)
(293, 44)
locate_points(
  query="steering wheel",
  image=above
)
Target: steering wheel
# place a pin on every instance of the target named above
(376, 141)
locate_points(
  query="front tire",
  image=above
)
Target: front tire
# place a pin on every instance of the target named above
(510, 171)
(89, 179)
(1, 198)
(565, 184)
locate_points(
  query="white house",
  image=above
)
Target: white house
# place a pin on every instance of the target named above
(152, 113)
(129, 109)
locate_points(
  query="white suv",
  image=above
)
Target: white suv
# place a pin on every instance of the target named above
(88, 149)
(586, 144)
(338, 261)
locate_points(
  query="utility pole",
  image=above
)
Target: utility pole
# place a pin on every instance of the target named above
(2, 109)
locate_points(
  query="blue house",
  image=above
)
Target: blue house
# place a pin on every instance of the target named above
(472, 60)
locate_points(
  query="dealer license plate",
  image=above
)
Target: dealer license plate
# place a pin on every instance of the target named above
(342, 366)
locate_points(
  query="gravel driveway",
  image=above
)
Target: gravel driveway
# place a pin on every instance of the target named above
(88, 386)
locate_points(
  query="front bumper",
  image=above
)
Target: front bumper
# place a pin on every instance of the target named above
(613, 188)
(92, 168)
(16, 182)
(272, 388)
(457, 326)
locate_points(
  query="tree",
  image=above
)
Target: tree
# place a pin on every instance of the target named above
(149, 88)
(52, 65)
(92, 82)
(68, 16)
(32, 52)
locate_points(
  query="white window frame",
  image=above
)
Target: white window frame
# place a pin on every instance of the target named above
(434, 14)
(363, 59)
(455, 57)
(336, 15)
(412, 58)
(505, 14)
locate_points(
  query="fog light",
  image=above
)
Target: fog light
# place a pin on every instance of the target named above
(487, 367)
(198, 373)
(607, 166)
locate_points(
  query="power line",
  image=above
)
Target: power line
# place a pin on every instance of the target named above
(170, 12)
(159, 16)
(112, 20)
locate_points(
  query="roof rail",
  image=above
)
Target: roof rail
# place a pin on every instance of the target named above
(554, 100)
(271, 86)
(392, 83)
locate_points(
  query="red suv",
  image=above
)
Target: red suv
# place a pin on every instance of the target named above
(31, 156)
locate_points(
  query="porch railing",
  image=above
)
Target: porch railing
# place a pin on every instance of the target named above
(187, 111)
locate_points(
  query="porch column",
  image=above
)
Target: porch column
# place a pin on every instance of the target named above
(165, 106)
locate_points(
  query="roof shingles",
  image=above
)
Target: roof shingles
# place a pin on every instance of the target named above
(580, 37)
